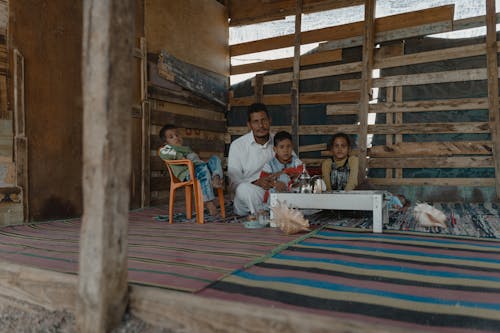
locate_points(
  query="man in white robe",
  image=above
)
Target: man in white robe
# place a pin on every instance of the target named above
(247, 156)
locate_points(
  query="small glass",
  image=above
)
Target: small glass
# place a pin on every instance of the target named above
(263, 217)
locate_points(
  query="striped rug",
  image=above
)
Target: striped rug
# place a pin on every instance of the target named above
(180, 256)
(429, 283)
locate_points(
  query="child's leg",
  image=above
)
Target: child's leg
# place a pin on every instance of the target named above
(203, 175)
(212, 209)
(215, 166)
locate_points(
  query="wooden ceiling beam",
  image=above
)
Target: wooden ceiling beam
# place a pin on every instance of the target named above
(243, 12)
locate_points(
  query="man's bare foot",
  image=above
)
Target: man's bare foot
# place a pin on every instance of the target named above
(212, 210)
(217, 181)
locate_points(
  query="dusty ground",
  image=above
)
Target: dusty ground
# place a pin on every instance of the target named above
(21, 317)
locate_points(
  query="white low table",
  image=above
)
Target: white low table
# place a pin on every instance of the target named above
(351, 200)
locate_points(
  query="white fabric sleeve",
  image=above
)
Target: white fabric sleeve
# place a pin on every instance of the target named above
(235, 166)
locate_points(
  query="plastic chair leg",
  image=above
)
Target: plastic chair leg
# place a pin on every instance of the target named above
(189, 202)
(220, 193)
(200, 206)
(171, 205)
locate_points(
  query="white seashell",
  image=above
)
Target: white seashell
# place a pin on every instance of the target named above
(428, 216)
(289, 220)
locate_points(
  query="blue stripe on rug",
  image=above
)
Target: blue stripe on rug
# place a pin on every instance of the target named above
(395, 268)
(423, 239)
(344, 288)
(399, 252)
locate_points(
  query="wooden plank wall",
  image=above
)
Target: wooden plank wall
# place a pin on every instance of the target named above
(51, 47)
(452, 144)
(4, 61)
(174, 30)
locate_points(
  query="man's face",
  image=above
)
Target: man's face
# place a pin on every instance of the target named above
(259, 123)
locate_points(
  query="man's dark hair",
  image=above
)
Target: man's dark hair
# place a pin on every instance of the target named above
(164, 129)
(341, 135)
(257, 107)
(280, 136)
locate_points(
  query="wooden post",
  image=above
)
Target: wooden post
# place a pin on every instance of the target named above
(366, 78)
(145, 126)
(295, 93)
(389, 120)
(107, 63)
(259, 88)
(491, 57)
(20, 139)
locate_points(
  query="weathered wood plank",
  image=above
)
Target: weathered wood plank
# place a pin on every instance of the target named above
(295, 90)
(432, 149)
(187, 110)
(200, 81)
(398, 119)
(492, 72)
(324, 71)
(409, 128)
(259, 88)
(161, 117)
(106, 72)
(307, 59)
(432, 105)
(389, 119)
(182, 311)
(383, 24)
(181, 97)
(473, 182)
(20, 139)
(472, 22)
(421, 30)
(432, 162)
(421, 78)
(412, 128)
(145, 147)
(305, 98)
(243, 12)
(342, 109)
(316, 147)
(431, 56)
(51, 290)
(366, 83)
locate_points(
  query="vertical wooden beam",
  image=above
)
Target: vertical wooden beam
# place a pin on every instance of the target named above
(366, 84)
(398, 97)
(389, 120)
(20, 139)
(107, 63)
(295, 93)
(259, 88)
(146, 121)
(493, 103)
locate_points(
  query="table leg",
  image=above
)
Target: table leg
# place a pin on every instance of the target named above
(378, 205)
(272, 203)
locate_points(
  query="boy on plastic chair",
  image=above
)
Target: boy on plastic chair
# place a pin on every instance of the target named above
(209, 174)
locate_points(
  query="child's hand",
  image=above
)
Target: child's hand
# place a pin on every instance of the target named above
(281, 187)
(277, 174)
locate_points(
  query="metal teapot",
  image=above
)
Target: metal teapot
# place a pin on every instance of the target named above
(307, 184)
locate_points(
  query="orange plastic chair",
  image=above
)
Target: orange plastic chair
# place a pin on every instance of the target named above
(191, 186)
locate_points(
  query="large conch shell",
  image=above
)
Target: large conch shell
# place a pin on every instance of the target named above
(289, 220)
(428, 216)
